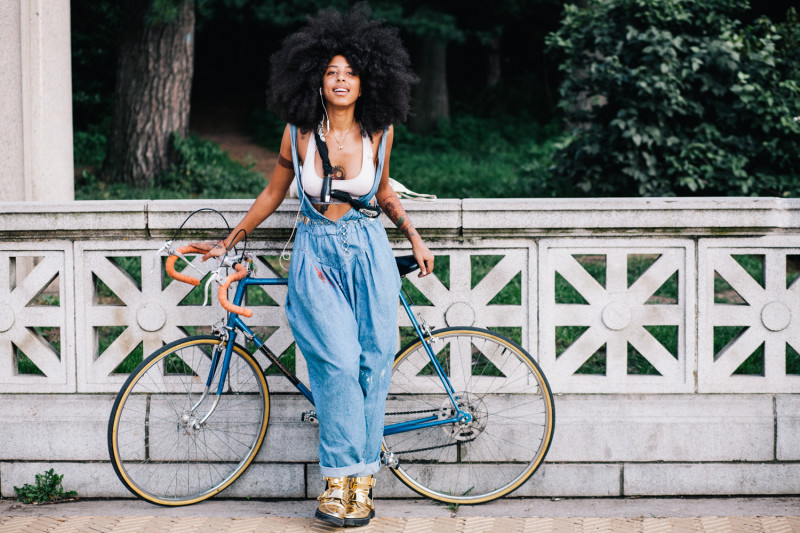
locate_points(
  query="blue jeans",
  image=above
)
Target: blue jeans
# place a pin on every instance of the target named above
(342, 307)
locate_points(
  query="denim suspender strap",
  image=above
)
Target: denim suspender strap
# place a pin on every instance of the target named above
(379, 171)
(305, 203)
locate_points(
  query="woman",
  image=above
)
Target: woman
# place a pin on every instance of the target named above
(347, 79)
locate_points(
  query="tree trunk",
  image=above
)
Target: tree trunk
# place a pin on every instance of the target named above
(153, 86)
(431, 101)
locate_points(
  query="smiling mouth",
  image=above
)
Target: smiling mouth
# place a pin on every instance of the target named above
(341, 90)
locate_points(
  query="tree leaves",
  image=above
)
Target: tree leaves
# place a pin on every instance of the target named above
(668, 97)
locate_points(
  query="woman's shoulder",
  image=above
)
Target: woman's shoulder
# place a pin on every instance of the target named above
(377, 137)
(301, 133)
(302, 140)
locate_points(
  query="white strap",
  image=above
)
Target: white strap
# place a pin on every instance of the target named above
(404, 192)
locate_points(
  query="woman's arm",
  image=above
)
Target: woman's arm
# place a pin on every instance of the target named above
(390, 203)
(264, 205)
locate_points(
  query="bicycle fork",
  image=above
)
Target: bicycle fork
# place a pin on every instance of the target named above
(189, 419)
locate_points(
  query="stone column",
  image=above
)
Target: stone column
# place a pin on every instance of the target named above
(35, 101)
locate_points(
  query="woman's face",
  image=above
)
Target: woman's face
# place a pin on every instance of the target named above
(341, 86)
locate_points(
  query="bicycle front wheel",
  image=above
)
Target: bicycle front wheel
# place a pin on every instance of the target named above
(161, 449)
(508, 398)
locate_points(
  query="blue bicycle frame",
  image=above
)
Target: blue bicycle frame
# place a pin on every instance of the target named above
(235, 324)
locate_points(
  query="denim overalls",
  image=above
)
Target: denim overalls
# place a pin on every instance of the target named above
(342, 307)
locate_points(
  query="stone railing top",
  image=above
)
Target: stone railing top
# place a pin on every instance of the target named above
(446, 218)
(662, 215)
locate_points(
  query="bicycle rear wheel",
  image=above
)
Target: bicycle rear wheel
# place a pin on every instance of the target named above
(503, 389)
(158, 447)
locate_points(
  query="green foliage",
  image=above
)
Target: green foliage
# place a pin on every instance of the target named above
(495, 155)
(282, 13)
(204, 171)
(47, 488)
(671, 97)
(89, 147)
(266, 129)
(417, 18)
(95, 28)
(473, 157)
(427, 22)
(162, 12)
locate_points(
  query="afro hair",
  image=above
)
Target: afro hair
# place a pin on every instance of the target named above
(373, 50)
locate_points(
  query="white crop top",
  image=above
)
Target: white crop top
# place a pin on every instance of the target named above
(358, 186)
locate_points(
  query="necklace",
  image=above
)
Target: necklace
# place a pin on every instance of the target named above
(339, 141)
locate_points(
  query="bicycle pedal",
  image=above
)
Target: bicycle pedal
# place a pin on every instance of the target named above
(308, 416)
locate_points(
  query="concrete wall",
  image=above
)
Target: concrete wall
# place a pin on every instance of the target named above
(35, 101)
(694, 427)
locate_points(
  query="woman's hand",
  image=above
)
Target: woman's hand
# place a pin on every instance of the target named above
(424, 258)
(212, 249)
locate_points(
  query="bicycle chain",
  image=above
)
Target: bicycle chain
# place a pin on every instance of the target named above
(430, 447)
(433, 447)
(413, 412)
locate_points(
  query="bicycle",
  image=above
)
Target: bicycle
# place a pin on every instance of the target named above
(470, 414)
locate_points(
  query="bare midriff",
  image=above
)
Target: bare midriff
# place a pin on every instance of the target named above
(332, 211)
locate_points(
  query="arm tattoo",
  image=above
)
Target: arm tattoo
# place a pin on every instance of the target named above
(396, 213)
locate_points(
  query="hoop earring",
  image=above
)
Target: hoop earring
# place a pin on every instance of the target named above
(328, 120)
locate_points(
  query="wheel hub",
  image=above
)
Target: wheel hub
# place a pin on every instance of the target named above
(465, 430)
(189, 423)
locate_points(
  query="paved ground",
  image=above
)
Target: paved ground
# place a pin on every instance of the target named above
(718, 515)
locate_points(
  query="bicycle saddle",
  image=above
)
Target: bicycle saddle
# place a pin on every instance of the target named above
(406, 264)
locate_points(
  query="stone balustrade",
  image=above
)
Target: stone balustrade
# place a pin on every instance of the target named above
(669, 330)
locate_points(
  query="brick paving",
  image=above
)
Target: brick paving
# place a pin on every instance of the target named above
(510, 515)
(158, 524)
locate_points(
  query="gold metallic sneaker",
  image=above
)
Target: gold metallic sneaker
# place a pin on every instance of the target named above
(359, 506)
(333, 502)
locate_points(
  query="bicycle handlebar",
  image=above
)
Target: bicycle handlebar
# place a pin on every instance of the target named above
(241, 272)
(174, 274)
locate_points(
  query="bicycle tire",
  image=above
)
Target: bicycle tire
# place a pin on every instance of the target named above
(155, 448)
(512, 408)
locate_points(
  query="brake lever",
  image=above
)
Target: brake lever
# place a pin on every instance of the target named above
(215, 276)
(166, 247)
(176, 252)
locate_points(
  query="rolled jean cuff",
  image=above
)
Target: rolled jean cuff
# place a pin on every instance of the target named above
(368, 469)
(343, 471)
